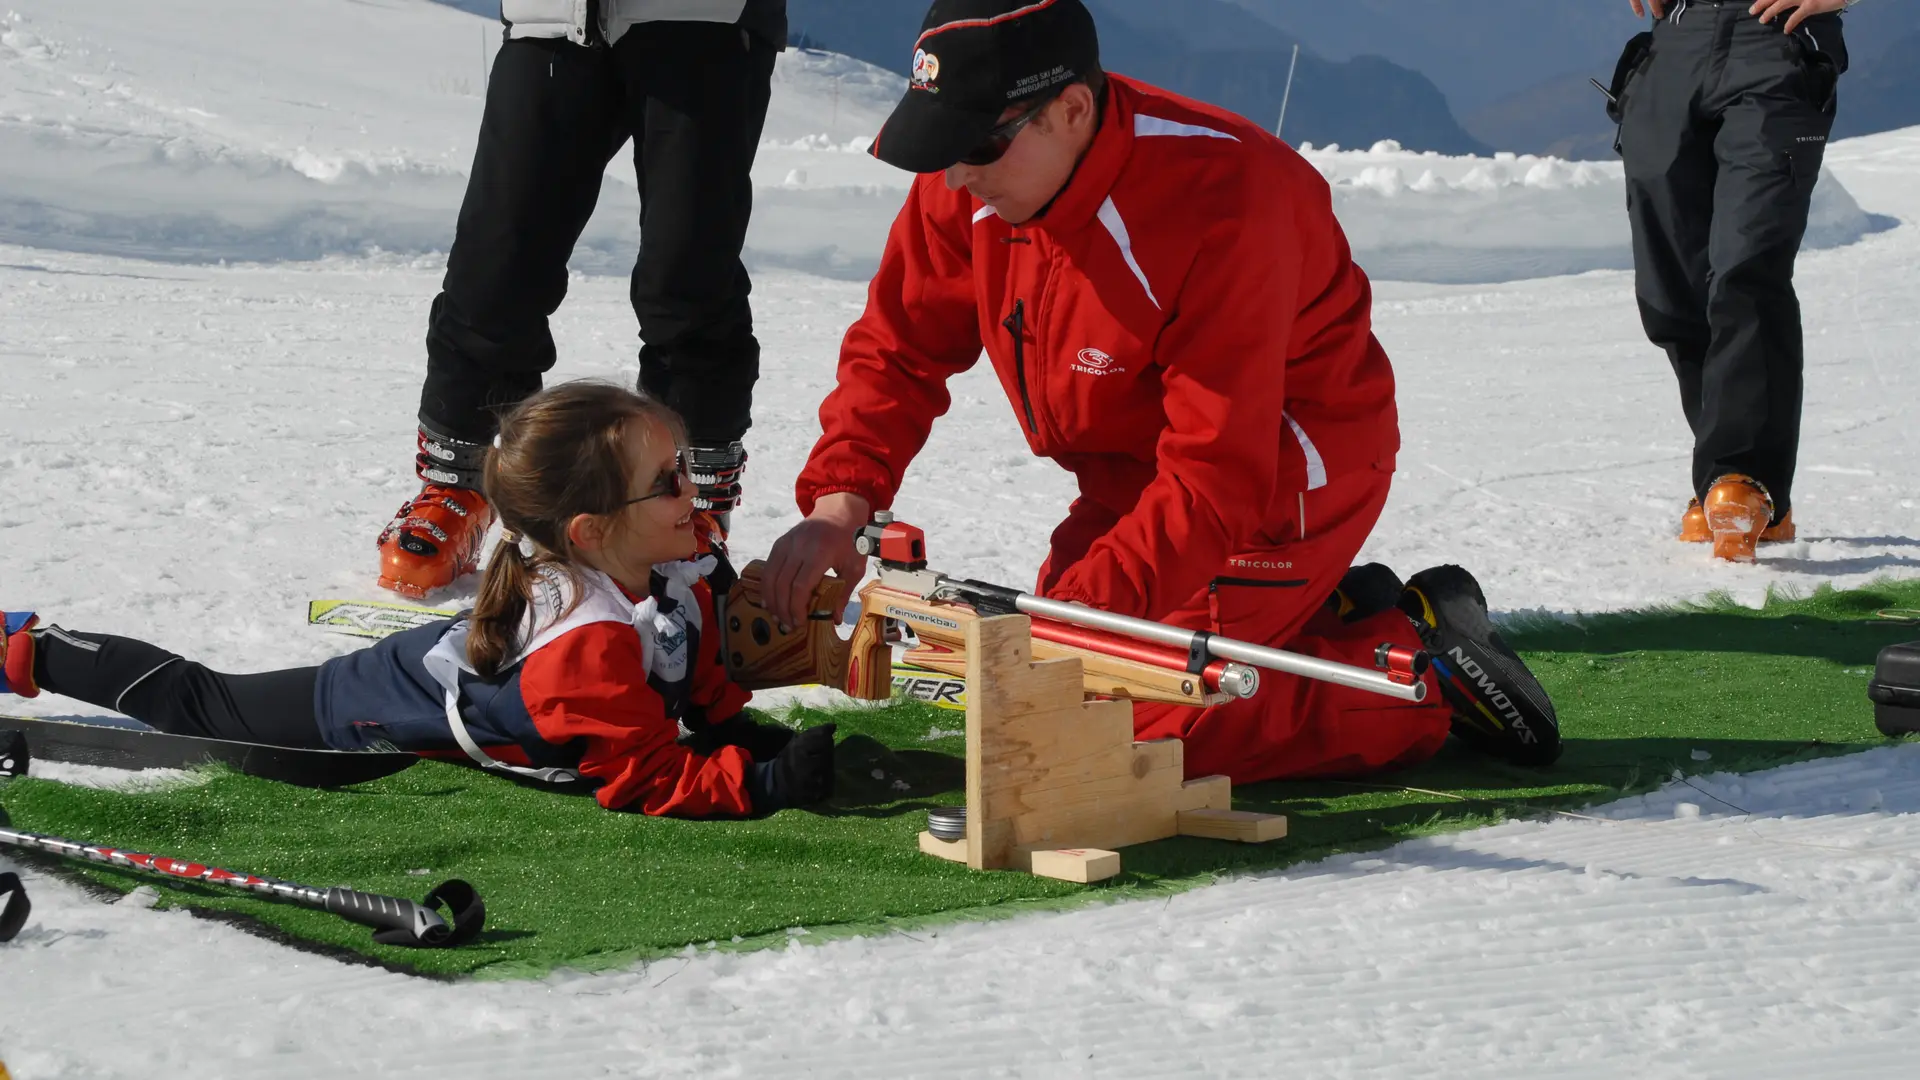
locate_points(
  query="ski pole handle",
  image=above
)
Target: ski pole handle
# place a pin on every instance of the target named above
(403, 922)
(15, 756)
(16, 906)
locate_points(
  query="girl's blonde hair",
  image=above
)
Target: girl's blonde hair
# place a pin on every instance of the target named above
(561, 453)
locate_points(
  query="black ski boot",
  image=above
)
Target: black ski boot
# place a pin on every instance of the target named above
(1498, 706)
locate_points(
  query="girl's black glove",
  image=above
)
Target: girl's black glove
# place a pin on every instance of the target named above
(800, 775)
(762, 742)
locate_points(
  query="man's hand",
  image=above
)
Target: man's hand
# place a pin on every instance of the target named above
(804, 555)
(1769, 10)
(1659, 8)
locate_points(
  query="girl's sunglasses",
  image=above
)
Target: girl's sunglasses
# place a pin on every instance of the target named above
(672, 484)
(1000, 138)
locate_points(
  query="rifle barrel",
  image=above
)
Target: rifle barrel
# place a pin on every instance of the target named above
(1223, 648)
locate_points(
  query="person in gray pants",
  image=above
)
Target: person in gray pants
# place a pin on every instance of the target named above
(1724, 110)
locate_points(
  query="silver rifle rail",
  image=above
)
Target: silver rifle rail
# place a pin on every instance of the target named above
(931, 585)
(1224, 648)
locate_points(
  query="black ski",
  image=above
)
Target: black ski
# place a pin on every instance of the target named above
(139, 748)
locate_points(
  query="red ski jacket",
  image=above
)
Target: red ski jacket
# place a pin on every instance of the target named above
(1184, 329)
(591, 684)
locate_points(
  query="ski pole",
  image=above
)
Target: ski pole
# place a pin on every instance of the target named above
(901, 551)
(395, 921)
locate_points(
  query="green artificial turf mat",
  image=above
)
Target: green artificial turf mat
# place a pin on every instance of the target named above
(568, 884)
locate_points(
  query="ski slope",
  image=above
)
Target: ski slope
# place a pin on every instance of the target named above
(1666, 936)
(221, 224)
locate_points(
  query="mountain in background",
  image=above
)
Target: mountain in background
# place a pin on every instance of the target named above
(1464, 76)
(1882, 92)
(1475, 51)
(1207, 49)
(1563, 117)
(1213, 50)
(1516, 73)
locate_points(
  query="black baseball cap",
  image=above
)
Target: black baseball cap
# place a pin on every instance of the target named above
(972, 60)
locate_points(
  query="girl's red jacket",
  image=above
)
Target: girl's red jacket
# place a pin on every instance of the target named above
(591, 684)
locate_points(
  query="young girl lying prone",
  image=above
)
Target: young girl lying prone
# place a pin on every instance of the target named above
(591, 651)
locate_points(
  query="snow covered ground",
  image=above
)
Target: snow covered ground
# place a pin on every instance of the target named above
(1427, 217)
(190, 449)
(1667, 936)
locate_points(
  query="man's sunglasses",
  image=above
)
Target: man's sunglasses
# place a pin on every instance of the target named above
(671, 485)
(1000, 138)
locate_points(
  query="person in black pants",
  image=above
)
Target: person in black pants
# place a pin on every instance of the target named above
(570, 86)
(1724, 120)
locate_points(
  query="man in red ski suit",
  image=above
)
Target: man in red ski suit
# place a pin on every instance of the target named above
(1176, 317)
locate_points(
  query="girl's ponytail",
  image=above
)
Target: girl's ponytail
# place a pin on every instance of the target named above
(505, 591)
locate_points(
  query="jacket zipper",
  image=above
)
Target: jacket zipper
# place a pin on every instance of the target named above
(1016, 324)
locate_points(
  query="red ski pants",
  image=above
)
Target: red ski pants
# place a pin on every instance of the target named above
(1277, 595)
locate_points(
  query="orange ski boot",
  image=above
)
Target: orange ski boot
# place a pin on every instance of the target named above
(16, 653)
(1693, 527)
(1738, 510)
(433, 540)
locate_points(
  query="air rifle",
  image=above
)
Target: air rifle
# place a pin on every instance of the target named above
(1121, 656)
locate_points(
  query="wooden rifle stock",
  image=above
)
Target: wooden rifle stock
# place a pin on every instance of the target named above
(759, 657)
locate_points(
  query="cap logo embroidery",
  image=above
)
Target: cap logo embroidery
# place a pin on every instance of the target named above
(1046, 80)
(926, 69)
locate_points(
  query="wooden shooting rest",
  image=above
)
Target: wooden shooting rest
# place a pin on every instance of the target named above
(1055, 781)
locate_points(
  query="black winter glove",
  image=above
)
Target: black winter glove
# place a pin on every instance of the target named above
(800, 775)
(762, 742)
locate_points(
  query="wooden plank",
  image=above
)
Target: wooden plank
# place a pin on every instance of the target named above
(1094, 819)
(951, 850)
(1004, 686)
(1050, 773)
(1081, 865)
(1044, 686)
(1158, 754)
(1205, 793)
(1241, 825)
(1062, 748)
(982, 855)
(1009, 681)
(1109, 813)
(999, 665)
(1128, 795)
